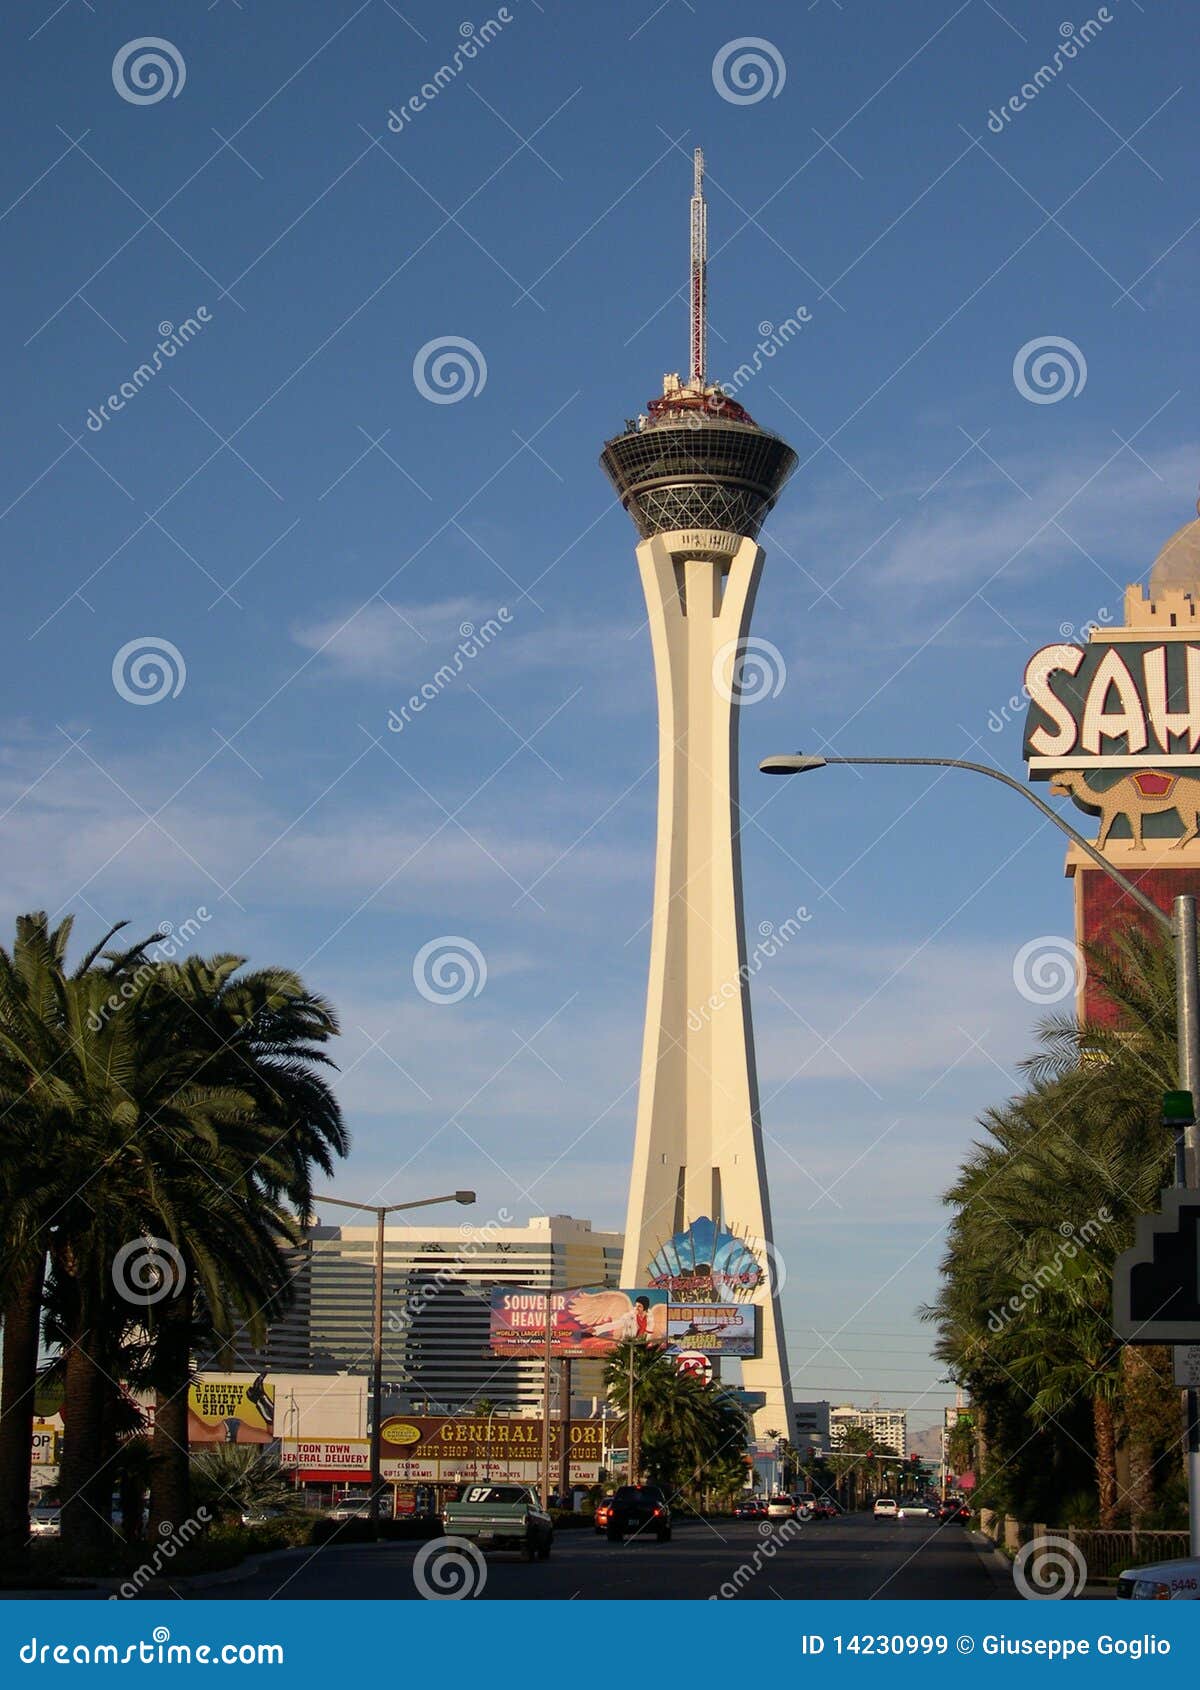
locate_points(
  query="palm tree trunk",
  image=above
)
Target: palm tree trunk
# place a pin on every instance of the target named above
(1106, 1460)
(170, 1473)
(1140, 1495)
(22, 1315)
(83, 1480)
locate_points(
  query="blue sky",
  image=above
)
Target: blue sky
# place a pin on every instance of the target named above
(310, 533)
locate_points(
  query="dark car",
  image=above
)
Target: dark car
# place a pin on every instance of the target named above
(953, 1511)
(639, 1509)
(752, 1509)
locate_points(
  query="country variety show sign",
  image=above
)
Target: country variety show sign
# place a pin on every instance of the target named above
(231, 1410)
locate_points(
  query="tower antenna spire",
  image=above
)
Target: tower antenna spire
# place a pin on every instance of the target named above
(699, 279)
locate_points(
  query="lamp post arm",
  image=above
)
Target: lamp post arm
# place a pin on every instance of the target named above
(1127, 885)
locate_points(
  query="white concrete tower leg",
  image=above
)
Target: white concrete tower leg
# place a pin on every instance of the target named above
(698, 1148)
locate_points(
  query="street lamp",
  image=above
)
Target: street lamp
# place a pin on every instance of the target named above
(1180, 926)
(381, 1212)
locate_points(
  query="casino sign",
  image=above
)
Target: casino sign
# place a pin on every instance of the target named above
(1115, 724)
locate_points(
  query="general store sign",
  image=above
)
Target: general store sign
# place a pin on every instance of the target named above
(1115, 704)
(433, 1450)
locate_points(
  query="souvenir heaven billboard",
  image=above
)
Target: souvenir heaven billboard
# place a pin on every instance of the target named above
(590, 1320)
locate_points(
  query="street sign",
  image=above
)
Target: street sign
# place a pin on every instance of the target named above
(1187, 1366)
(1156, 1284)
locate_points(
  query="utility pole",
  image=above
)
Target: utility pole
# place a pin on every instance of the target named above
(564, 1421)
(1187, 1158)
(632, 1455)
(548, 1352)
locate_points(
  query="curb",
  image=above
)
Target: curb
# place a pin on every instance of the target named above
(995, 1563)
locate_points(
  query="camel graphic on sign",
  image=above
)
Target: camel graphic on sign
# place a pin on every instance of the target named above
(1143, 792)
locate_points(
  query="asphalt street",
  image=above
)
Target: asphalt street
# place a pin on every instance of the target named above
(854, 1557)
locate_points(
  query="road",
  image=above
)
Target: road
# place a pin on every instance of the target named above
(852, 1557)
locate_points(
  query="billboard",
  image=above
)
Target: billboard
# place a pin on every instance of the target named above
(234, 1409)
(327, 1459)
(705, 1263)
(590, 1320)
(586, 1320)
(437, 1449)
(45, 1444)
(729, 1329)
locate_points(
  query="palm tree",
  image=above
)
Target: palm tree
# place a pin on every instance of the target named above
(41, 1110)
(1045, 1203)
(642, 1364)
(180, 1118)
(254, 1038)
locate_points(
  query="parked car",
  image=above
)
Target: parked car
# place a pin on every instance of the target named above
(1162, 1581)
(781, 1507)
(501, 1517)
(603, 1510)
(639, 1510)
(44, 1520)
(359, 1508)
(886, 1508)
(263, 1516)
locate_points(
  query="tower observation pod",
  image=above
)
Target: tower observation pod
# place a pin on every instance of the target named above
(698, 477)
